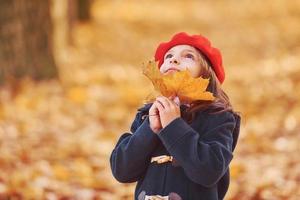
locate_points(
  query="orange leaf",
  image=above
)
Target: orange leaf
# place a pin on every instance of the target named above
(180, 84)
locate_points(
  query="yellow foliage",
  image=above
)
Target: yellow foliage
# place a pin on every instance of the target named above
(180, 84)
(77, 94)
(61, 172)
(51, 148)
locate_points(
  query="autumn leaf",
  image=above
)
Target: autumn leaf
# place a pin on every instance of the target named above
(180, 84)
(77, 95)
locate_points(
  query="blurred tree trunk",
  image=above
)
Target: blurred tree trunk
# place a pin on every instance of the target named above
(78, 11)
(65, 15)
(82, 9)
(26, 40)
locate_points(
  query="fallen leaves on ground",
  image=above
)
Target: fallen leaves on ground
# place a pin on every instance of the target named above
(56, 136)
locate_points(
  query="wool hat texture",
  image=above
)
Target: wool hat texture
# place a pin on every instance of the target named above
(199, 42)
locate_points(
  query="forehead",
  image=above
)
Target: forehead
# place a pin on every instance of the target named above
(183, 47)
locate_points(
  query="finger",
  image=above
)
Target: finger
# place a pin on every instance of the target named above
(159, 103)
(176, 100)
(172, 97)
(171, 102)
(153, 111)
(159, 106)
(153, 106)
(164, 101)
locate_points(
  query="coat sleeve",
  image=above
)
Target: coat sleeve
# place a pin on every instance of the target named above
(204, 156)
(132, 153)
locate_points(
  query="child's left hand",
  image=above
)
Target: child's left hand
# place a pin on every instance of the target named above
(168, 110)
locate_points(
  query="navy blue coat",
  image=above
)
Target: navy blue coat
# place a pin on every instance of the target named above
(202, 152)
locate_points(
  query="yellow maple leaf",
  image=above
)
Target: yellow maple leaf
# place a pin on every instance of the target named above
(180, 84)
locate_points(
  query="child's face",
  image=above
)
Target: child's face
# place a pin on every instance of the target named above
(182, 57)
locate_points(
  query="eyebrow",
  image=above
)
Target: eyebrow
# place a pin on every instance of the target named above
(188, 50)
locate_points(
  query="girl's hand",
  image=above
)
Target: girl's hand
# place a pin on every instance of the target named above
(154, 118)
(168, 110)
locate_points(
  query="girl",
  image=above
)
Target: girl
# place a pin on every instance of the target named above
(181, 151)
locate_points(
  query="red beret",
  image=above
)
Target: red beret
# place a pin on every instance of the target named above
(199, 42)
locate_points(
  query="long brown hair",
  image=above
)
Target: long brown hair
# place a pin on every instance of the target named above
(221, 102)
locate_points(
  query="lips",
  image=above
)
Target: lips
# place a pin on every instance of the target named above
(172, 69)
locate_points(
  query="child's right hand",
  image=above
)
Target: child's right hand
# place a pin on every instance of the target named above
(154, 118)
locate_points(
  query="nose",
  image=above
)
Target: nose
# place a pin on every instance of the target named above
(174, 60)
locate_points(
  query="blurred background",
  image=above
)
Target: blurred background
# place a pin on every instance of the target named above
(71, 81)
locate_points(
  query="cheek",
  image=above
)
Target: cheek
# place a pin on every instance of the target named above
(195, 71)
(162, 67)
(187, 62)
(195, 74)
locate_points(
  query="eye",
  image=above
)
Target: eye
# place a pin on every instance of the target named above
(169, 56)
(191, 56)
